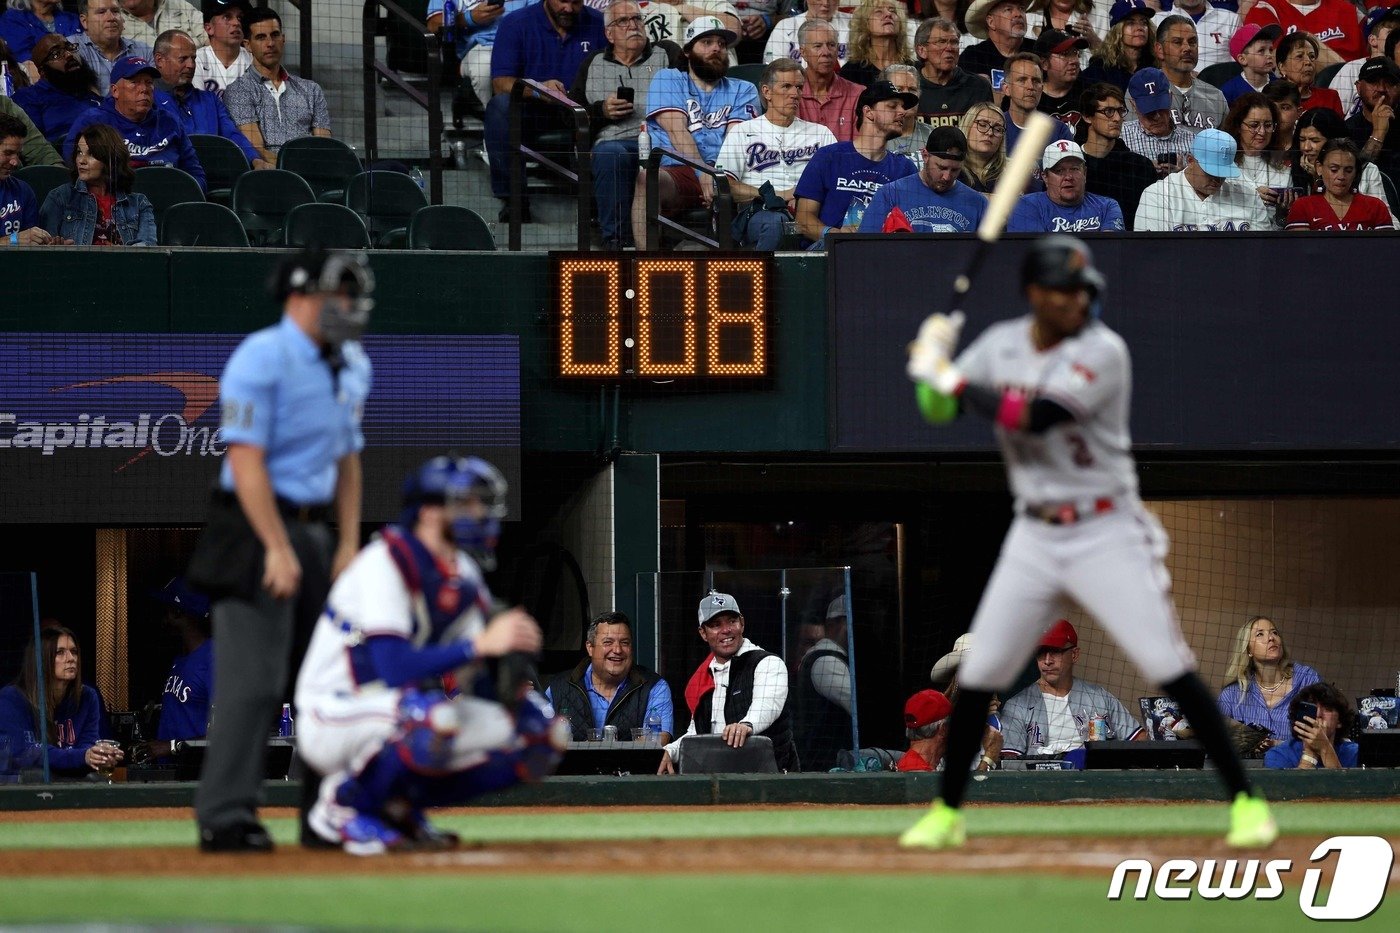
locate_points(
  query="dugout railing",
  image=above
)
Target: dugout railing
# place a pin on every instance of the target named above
(581, 176)
(376, 16)
(722, 213)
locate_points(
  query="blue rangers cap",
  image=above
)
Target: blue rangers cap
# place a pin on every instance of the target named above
(177, 594)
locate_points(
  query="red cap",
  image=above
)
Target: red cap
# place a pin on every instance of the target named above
(1060, 636)
(925, 707)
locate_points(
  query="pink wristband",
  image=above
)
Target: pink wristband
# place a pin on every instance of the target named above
(1013, 405)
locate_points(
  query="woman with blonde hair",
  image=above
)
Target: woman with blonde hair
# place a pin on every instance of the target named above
(984, 125)
(879, 38)
(1263, 680)
(1126, 48)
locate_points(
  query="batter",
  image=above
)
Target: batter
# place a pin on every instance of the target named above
(1056, 384)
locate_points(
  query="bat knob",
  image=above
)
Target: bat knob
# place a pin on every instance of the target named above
(961, 284)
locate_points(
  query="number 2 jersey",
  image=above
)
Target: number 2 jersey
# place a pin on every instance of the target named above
(1090, 376)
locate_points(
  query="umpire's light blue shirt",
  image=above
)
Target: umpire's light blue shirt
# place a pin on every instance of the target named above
(278, 394)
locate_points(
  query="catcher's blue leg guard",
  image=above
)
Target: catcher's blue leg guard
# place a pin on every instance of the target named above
(544, 737)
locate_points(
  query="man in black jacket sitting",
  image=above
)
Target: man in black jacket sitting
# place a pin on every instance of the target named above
(608, 689)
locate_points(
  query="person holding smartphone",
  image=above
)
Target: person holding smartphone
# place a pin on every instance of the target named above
(1321, 717)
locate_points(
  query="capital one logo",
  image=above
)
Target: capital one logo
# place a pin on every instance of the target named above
(1358, 881)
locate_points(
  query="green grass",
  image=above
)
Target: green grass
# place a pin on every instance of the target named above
(669, 903)
(603, 824)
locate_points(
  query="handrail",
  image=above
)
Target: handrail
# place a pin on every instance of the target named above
(723, 204)
(583, 150)
(430, 100)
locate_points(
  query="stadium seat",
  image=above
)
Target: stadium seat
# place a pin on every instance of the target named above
(202, 223)
(166, 186)
(224, 163)
(749, 72)
(386, 201)
(43, 178)
(329, 226)
(1220, 73)
(446, 226)
(262, 199)
(326, 164)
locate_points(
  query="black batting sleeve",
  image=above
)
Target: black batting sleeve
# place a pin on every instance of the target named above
(1042, 413)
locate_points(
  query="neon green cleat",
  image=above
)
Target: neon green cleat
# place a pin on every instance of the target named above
(1252, 826)
(942, 827)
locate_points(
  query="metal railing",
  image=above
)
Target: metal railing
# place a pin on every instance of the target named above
(519, 152)
(723, 212)
(429, 99)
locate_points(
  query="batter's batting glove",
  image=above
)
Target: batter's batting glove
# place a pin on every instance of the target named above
(933, 369)
(939, 333)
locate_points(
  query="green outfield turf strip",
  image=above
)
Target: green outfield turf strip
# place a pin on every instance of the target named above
(603, 824)
(670, 903)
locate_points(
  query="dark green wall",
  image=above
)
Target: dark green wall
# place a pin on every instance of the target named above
(222, 291)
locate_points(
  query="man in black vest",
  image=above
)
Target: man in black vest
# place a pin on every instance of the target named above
(607, 689)
(750, 692)
(823, 694)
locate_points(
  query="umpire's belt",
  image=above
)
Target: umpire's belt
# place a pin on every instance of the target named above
(1068, 513)
(289, 510)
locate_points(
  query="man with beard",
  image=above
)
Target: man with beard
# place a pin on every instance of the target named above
(64, 91)
(688, 113)
(934, 201)
(1001, 24)
(152, 134)
(269, 104)
(946, 92)
(827, 98)
(23, 29)
(198, 111)
(545, 42)
(1064, 206)
(224, 59)
(837, 185)
(1115, 171)
(1375, 129)
(1196, 105)
(1060, 96)
(147, 19)
(101, 42)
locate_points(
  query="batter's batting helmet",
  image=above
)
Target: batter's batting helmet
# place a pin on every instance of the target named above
(1061, 261)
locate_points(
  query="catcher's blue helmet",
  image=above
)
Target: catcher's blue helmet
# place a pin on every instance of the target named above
(449, 480)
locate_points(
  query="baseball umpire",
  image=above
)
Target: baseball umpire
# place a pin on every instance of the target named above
(1056, 385)
(291, 398)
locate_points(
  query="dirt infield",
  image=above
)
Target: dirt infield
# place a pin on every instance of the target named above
(1072, 855)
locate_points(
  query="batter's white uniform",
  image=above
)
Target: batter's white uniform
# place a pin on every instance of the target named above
(342, 724)
(1109, 561)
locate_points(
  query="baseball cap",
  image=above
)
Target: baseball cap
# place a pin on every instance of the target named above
(1060, 636)
(884, 90)
(716, 603)
(131, 66)
(946, 142)
(1150, 90)
(1058, 151)
(1379, 68)
(836, 609)
(703, 26)
(1215, 150)
(1249, 33)
(1122, 9)
(1377, 16)
(944, 667)
(212, 8)
(1057, 42)
(177, 594)
(976, 18)
(924, 707)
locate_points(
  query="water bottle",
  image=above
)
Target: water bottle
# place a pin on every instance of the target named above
(643, 145)
(287, 726)
(449, 22)
(417, 175)
(7, 84)
(653, 726)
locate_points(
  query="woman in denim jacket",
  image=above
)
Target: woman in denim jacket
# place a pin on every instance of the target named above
(98, 207)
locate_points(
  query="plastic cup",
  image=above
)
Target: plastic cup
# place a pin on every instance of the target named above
(595, 735)
(639, 734)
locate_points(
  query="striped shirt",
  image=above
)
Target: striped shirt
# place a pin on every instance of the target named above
(1144, 144)
(287, 112)
(1253, 710)
(101, 66)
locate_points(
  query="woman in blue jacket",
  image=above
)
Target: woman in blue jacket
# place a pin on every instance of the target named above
(70, 710)
(98, 207)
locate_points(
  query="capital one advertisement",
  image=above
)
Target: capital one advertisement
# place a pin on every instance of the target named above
(124, 428)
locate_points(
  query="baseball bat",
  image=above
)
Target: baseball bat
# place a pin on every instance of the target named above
(1030, 147)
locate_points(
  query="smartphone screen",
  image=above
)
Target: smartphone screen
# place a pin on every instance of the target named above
(1306, 711)
(998, 79)
(1166, 158)
(626, 93)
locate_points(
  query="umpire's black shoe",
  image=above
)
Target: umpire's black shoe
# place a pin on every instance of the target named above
(240, 837)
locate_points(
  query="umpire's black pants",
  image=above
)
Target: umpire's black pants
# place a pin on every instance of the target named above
(253, 642)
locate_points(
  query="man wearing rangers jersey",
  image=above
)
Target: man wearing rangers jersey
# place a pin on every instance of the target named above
(372, 714)
(1335, 23)
(1056, 385)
